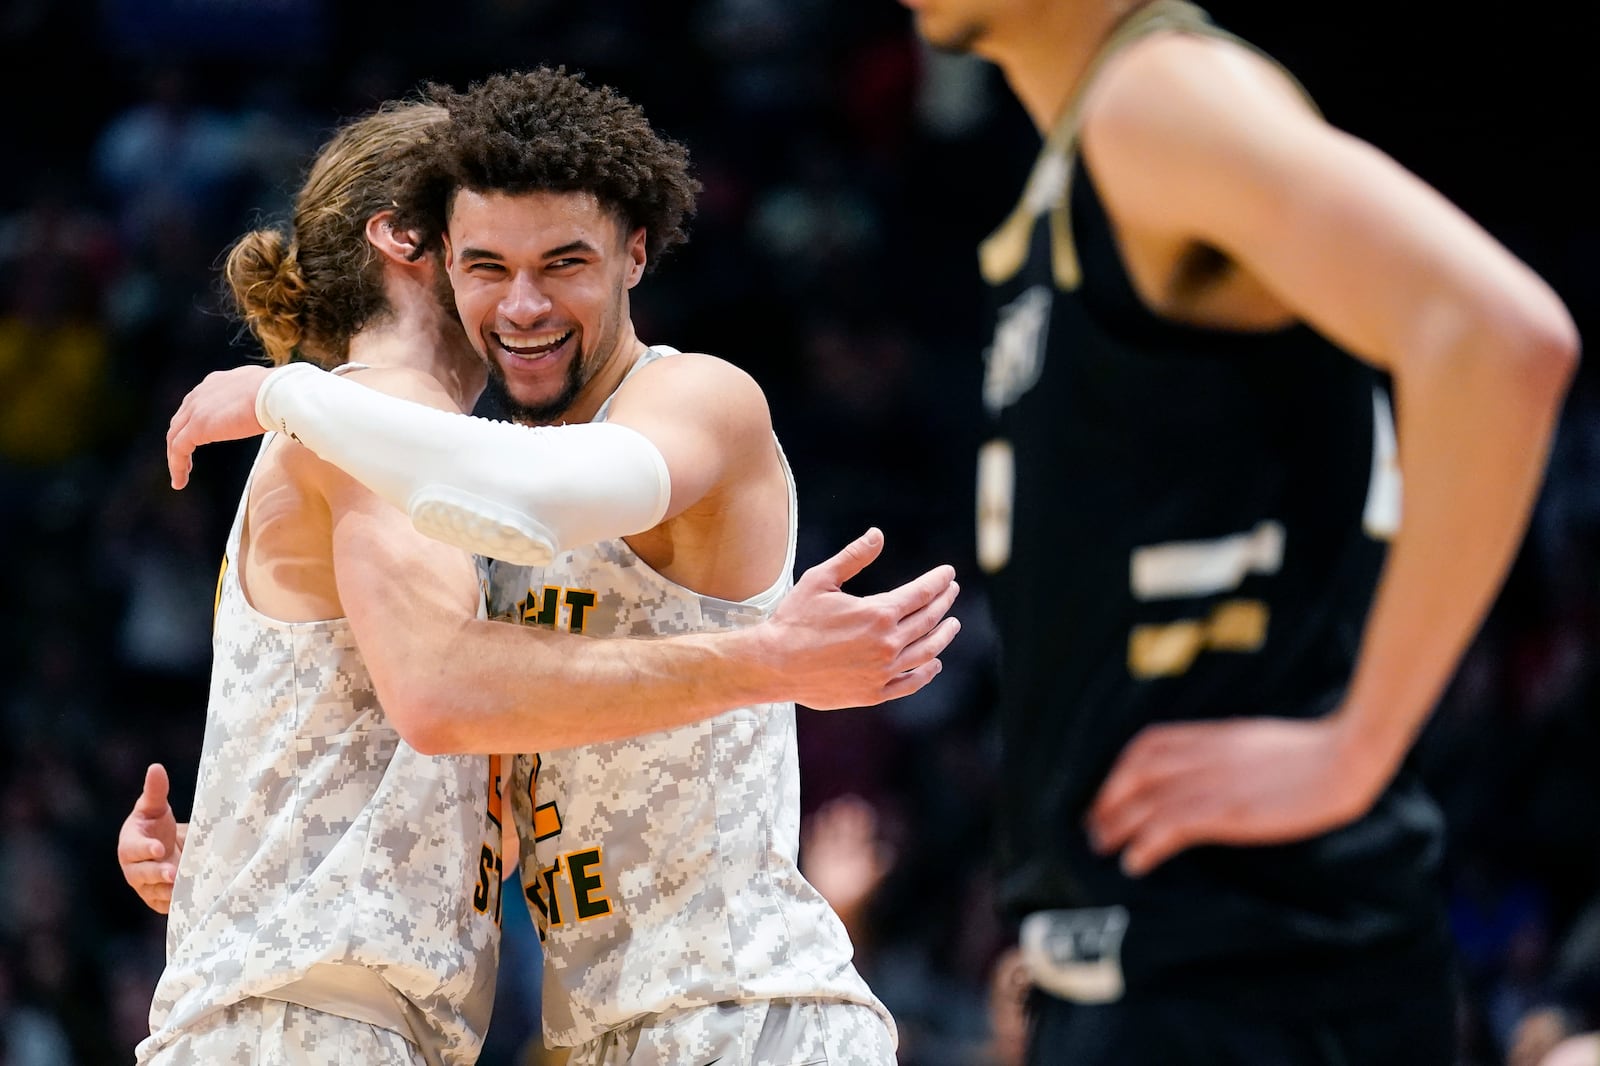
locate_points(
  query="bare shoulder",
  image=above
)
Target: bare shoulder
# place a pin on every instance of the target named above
(1186, 133)
(693, 382)
(695, 370)
(1170, 79)
(406, 383)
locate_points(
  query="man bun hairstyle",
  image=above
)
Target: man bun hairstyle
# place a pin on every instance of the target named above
(268, 290)
(306, 288)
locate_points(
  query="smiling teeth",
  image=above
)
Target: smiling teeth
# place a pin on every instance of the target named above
(536, 344)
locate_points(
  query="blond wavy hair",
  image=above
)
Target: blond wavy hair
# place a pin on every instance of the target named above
(306, 288)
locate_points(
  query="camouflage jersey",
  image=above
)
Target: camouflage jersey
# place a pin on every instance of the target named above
(661, 870)
(327, 862)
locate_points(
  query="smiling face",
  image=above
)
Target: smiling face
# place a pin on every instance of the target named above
(541, 283)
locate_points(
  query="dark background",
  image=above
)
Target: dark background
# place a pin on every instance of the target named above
(848, 176)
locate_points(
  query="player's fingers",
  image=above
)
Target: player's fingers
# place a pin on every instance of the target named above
(919, 592)
(179, 418)
(928, 646)
(144, 876)
(1111, 828)
(1159, 840)
(135, 846)
(1130, 793)
(183, 834)
(910, 681)
(180, 449)
(1116, 791)
(926, 617)
(158, 899)
(1141, 766)
(849, 560)
(153, 799)
(181, 415)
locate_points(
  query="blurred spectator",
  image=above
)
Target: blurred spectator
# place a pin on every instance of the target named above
(167, 156)
(28, 1036)
(161, 545)
(57, 259)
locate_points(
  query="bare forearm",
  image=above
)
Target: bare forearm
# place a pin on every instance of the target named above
(1475, 430)
(451, 682)
(499, 687)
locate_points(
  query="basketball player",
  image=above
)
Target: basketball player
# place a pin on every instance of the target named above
(297, 933)
(662, 869)
(1219, 637)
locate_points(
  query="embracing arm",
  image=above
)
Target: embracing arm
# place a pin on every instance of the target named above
(510, 492)
(452, 682)
(1480, 351)
(517, 493)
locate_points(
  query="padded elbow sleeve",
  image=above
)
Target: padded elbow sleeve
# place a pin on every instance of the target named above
(510, 492)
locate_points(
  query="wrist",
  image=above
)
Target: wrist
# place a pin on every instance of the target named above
(755, 655)
(1367, 755)
(265, 414)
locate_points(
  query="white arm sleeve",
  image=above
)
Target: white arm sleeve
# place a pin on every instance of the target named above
(510, 492)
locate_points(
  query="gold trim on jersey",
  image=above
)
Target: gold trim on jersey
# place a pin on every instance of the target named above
(1171, 649)
(1003, 253)
(216, 600)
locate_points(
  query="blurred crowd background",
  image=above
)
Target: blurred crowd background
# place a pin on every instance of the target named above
(848, 175)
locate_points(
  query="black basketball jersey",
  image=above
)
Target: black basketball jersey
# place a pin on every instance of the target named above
(1181, 523)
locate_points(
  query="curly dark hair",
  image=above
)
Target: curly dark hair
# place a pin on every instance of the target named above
(545, 130)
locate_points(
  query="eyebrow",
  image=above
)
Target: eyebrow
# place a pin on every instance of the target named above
(569, 247)
(557, 252)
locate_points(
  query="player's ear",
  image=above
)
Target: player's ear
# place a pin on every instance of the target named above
(634, 248)
(391, 240)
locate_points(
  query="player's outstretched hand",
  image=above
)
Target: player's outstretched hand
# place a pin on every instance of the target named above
(840, 650)
(151, 842)
(221, 407)
(1239, 781)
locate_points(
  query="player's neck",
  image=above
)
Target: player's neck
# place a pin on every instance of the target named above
(1046, 65)
(608, 377)
(421, 334)
(434, 344)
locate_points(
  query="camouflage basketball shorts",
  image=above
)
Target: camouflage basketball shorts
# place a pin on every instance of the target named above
(265, 1032)
(787, 1032)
